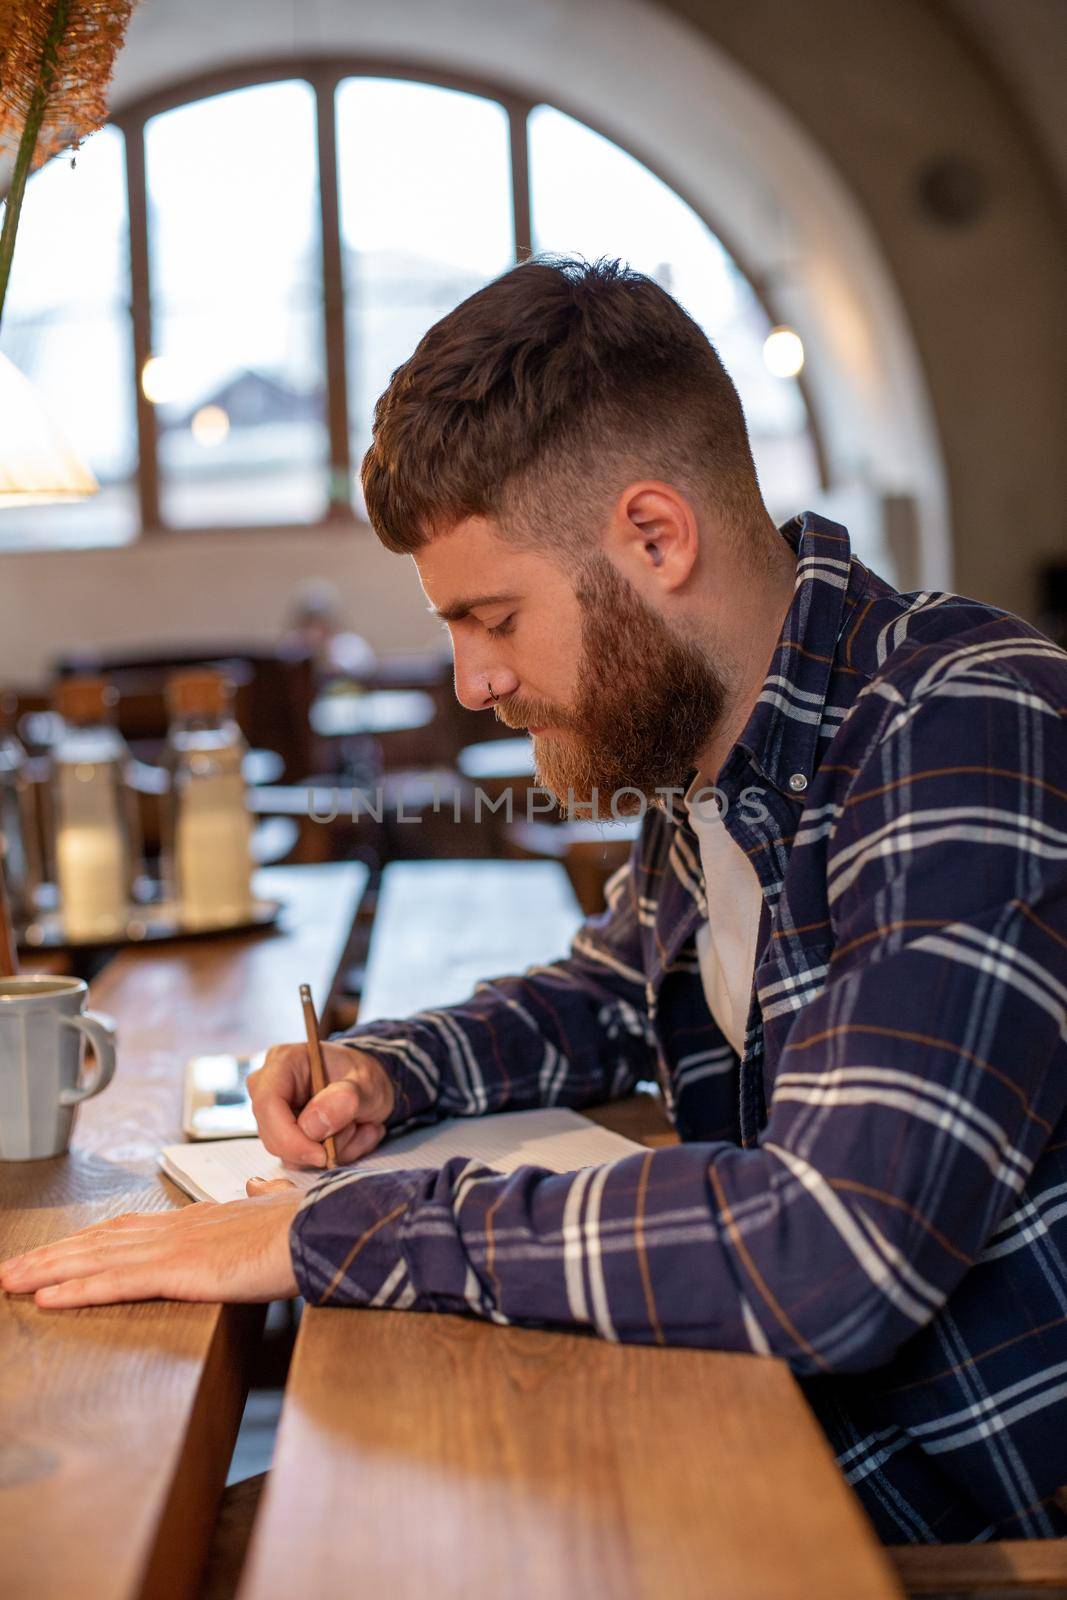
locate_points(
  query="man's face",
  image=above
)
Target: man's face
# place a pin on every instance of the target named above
(612, 697)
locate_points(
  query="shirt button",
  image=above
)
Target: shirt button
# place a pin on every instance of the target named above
(798, 783)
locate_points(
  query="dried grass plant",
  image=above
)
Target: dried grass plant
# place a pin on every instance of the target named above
(56, 58)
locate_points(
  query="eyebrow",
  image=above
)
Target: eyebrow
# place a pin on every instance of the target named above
(462, 608)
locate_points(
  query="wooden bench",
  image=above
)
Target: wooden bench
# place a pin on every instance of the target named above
(439, 1455)
(118, 1422)
(1008, 1569)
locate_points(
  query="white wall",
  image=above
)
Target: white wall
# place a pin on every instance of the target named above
(199, 587)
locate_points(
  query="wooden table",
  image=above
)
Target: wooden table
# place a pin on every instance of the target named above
(591, 851)
(435, 1455)
(440, 926)
(118, 1423)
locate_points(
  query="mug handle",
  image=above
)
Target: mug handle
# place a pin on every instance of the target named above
(100, 1034)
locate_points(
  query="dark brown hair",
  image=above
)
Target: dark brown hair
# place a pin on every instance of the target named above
(540, 397)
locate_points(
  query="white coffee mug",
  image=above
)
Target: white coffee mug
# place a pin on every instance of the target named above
(43, 1031)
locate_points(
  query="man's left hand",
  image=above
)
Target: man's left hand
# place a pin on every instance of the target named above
(233, 1252)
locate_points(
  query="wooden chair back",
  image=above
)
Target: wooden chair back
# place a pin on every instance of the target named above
(9, 961)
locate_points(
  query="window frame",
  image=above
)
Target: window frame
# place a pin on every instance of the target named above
(324, 74)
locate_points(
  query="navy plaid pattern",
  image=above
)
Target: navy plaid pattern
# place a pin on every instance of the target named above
(877, 1191)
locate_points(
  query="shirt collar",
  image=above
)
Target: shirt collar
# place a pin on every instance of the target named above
(781, 734)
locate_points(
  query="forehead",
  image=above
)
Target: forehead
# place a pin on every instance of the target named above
(472, 563)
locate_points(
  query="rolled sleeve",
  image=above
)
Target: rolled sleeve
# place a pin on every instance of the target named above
(572, 1032)
(345, 1240)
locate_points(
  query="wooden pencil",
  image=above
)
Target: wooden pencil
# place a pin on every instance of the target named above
(318, 1071)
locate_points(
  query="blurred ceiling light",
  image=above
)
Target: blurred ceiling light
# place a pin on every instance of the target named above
(160, 380)
(37, 465)
(783, 352)
(210, 426)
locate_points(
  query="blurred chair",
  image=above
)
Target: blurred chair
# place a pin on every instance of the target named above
(315, 623)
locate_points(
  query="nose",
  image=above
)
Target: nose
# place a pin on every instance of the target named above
(481, 681)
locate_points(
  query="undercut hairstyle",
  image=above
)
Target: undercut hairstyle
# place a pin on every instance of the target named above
(538, 399)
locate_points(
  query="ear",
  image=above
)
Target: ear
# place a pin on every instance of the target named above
(652, 536)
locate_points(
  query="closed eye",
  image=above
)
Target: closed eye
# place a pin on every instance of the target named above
(502, 629)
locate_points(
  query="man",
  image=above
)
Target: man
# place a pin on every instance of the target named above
(848, 966)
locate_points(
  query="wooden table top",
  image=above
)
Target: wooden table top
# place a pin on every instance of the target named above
(439, 1455)
(435, 1455)
(440, 926)
(118, 1421)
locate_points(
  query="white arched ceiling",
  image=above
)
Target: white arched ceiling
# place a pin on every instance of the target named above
(666, 93)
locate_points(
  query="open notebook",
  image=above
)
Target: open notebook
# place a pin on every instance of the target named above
(558, 1139)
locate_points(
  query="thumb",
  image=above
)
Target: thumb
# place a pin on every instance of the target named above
(258, 1186)
(334, 1108)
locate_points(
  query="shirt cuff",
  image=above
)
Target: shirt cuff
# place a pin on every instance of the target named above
(407, 1064)
(346, 1240)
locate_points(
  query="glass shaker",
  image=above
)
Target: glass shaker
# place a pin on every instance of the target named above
(207, 834)
(96, 846)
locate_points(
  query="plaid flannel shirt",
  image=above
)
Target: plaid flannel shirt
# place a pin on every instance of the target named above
(877, 1191)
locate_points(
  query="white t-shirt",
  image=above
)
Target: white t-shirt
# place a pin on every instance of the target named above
(726, 943)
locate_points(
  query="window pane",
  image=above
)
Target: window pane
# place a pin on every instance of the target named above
(590, 198)
(67, 326)
(425, 191)
(235, 254)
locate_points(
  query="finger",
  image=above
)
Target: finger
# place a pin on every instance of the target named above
(360, 1142)
(336, 1107)
(285, 1071)
(282, 1083)
(15, 1272)
(131, 1222)
(257, 1186)
(279, 1131)
(279, 1061)
(108, 1288)
(59, 1265)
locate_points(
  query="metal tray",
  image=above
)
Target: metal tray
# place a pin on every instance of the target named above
(148, 922)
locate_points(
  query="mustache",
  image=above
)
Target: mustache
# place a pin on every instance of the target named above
(517, 713)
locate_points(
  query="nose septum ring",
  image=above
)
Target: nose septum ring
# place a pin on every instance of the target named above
(492, 696)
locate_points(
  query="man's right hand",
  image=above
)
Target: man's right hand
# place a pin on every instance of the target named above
(354, 1105)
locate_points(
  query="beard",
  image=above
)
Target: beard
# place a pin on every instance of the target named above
(646, 703)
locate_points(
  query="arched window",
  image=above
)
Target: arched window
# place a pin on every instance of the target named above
(212, 301)
(67, 325)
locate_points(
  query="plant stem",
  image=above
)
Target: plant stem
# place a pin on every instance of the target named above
(28, 143)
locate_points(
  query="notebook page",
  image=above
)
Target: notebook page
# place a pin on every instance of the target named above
(220, 1169)
(558, 1139)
